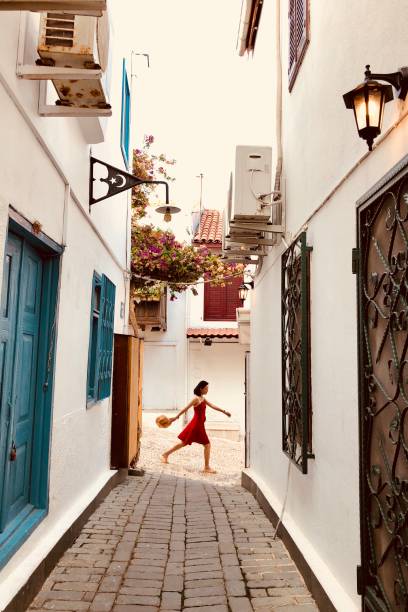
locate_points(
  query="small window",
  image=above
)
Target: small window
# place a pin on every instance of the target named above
(299, 36)
(221, 303)
(101, 338)
(253, 26)
(125, 120)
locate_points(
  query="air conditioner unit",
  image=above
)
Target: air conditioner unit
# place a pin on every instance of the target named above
(75, 41)
(86, 7)
(252, 178)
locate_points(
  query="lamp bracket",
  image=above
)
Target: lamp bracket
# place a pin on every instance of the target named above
(398, 79)
(117, 181)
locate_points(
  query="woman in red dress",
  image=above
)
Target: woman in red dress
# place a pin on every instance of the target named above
(195, 430)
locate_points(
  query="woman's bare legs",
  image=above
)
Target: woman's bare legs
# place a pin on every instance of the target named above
(207, 451)
(165, 456)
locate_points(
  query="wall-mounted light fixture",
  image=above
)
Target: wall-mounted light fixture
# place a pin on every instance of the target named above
(243, 290)
(368, 99)
(167, 211)
(207, 341)
(118, 180)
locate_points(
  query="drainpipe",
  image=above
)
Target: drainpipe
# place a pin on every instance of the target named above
(67, 195)
(277, 216)
(277, 212)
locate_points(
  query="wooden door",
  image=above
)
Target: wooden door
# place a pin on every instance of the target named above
(20, 328)
(126, 403)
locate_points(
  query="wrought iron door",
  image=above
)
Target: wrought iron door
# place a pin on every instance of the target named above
(382, 258)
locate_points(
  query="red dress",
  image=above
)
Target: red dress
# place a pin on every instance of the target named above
(195, 430)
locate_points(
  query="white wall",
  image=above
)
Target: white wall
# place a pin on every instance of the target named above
(41, 159)
(321, 145)
(223, 365)
(165, 358)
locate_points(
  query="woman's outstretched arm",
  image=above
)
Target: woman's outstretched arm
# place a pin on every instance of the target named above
(193, 402)
(218, 409)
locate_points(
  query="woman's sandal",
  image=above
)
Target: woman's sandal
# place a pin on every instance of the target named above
(208, 471)
(164, 459)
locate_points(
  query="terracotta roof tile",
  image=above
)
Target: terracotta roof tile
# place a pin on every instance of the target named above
(212, 332)
(210, 230)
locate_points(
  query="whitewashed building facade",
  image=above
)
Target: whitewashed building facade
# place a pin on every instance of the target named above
(200, 340)
(327, 409)
(64, 278)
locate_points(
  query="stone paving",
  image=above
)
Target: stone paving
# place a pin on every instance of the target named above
(162, 542)
(169, 542)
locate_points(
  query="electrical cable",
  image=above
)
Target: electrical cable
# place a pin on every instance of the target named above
(284, 502)
(259, 197)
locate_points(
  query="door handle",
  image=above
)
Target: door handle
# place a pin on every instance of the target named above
(13, 452)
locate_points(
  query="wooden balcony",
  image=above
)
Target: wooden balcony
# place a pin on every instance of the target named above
(152, 314)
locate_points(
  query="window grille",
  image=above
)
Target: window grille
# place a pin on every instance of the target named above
(296, 378)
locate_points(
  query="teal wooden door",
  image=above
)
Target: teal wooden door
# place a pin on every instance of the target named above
(19, 329)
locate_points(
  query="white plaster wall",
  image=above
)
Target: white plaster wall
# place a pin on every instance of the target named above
(165, 363)
(64, 138)
(321, 145)
(223, 365)
(319, 132)
(39, 157)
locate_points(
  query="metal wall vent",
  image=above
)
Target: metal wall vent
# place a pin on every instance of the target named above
(60, 30)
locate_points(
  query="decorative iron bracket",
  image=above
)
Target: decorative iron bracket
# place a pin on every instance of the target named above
(117, 181)
(398, 79)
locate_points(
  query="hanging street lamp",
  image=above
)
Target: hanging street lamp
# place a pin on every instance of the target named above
(244, 289)
(118, 180)
(167, 211)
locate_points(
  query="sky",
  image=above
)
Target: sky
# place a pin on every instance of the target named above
(196, 97)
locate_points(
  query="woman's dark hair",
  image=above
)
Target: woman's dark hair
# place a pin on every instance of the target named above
(200, 387)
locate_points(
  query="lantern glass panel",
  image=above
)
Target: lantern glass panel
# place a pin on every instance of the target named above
(374, 107)
(368, 104)
(360, 110)
(243, 292)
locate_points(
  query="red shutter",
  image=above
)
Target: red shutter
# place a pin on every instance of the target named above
(220, 303)
(298, 36)
(292, 34)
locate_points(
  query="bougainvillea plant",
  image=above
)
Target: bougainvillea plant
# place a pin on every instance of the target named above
(148, 167)
(157, 255)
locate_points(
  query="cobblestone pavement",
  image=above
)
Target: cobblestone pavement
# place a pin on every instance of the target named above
(169, 542)
(227, 456)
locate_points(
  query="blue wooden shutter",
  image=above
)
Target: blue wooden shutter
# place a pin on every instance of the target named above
(93, 357)
(125, 118)
(106, 338)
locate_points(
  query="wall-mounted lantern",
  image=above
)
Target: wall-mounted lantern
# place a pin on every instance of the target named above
(118, 180)
(243, 290)
(368, 99)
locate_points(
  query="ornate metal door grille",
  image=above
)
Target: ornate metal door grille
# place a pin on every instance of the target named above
(296, 386)
(383, 404)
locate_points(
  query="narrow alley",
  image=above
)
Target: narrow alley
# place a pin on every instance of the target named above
(176, 541)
